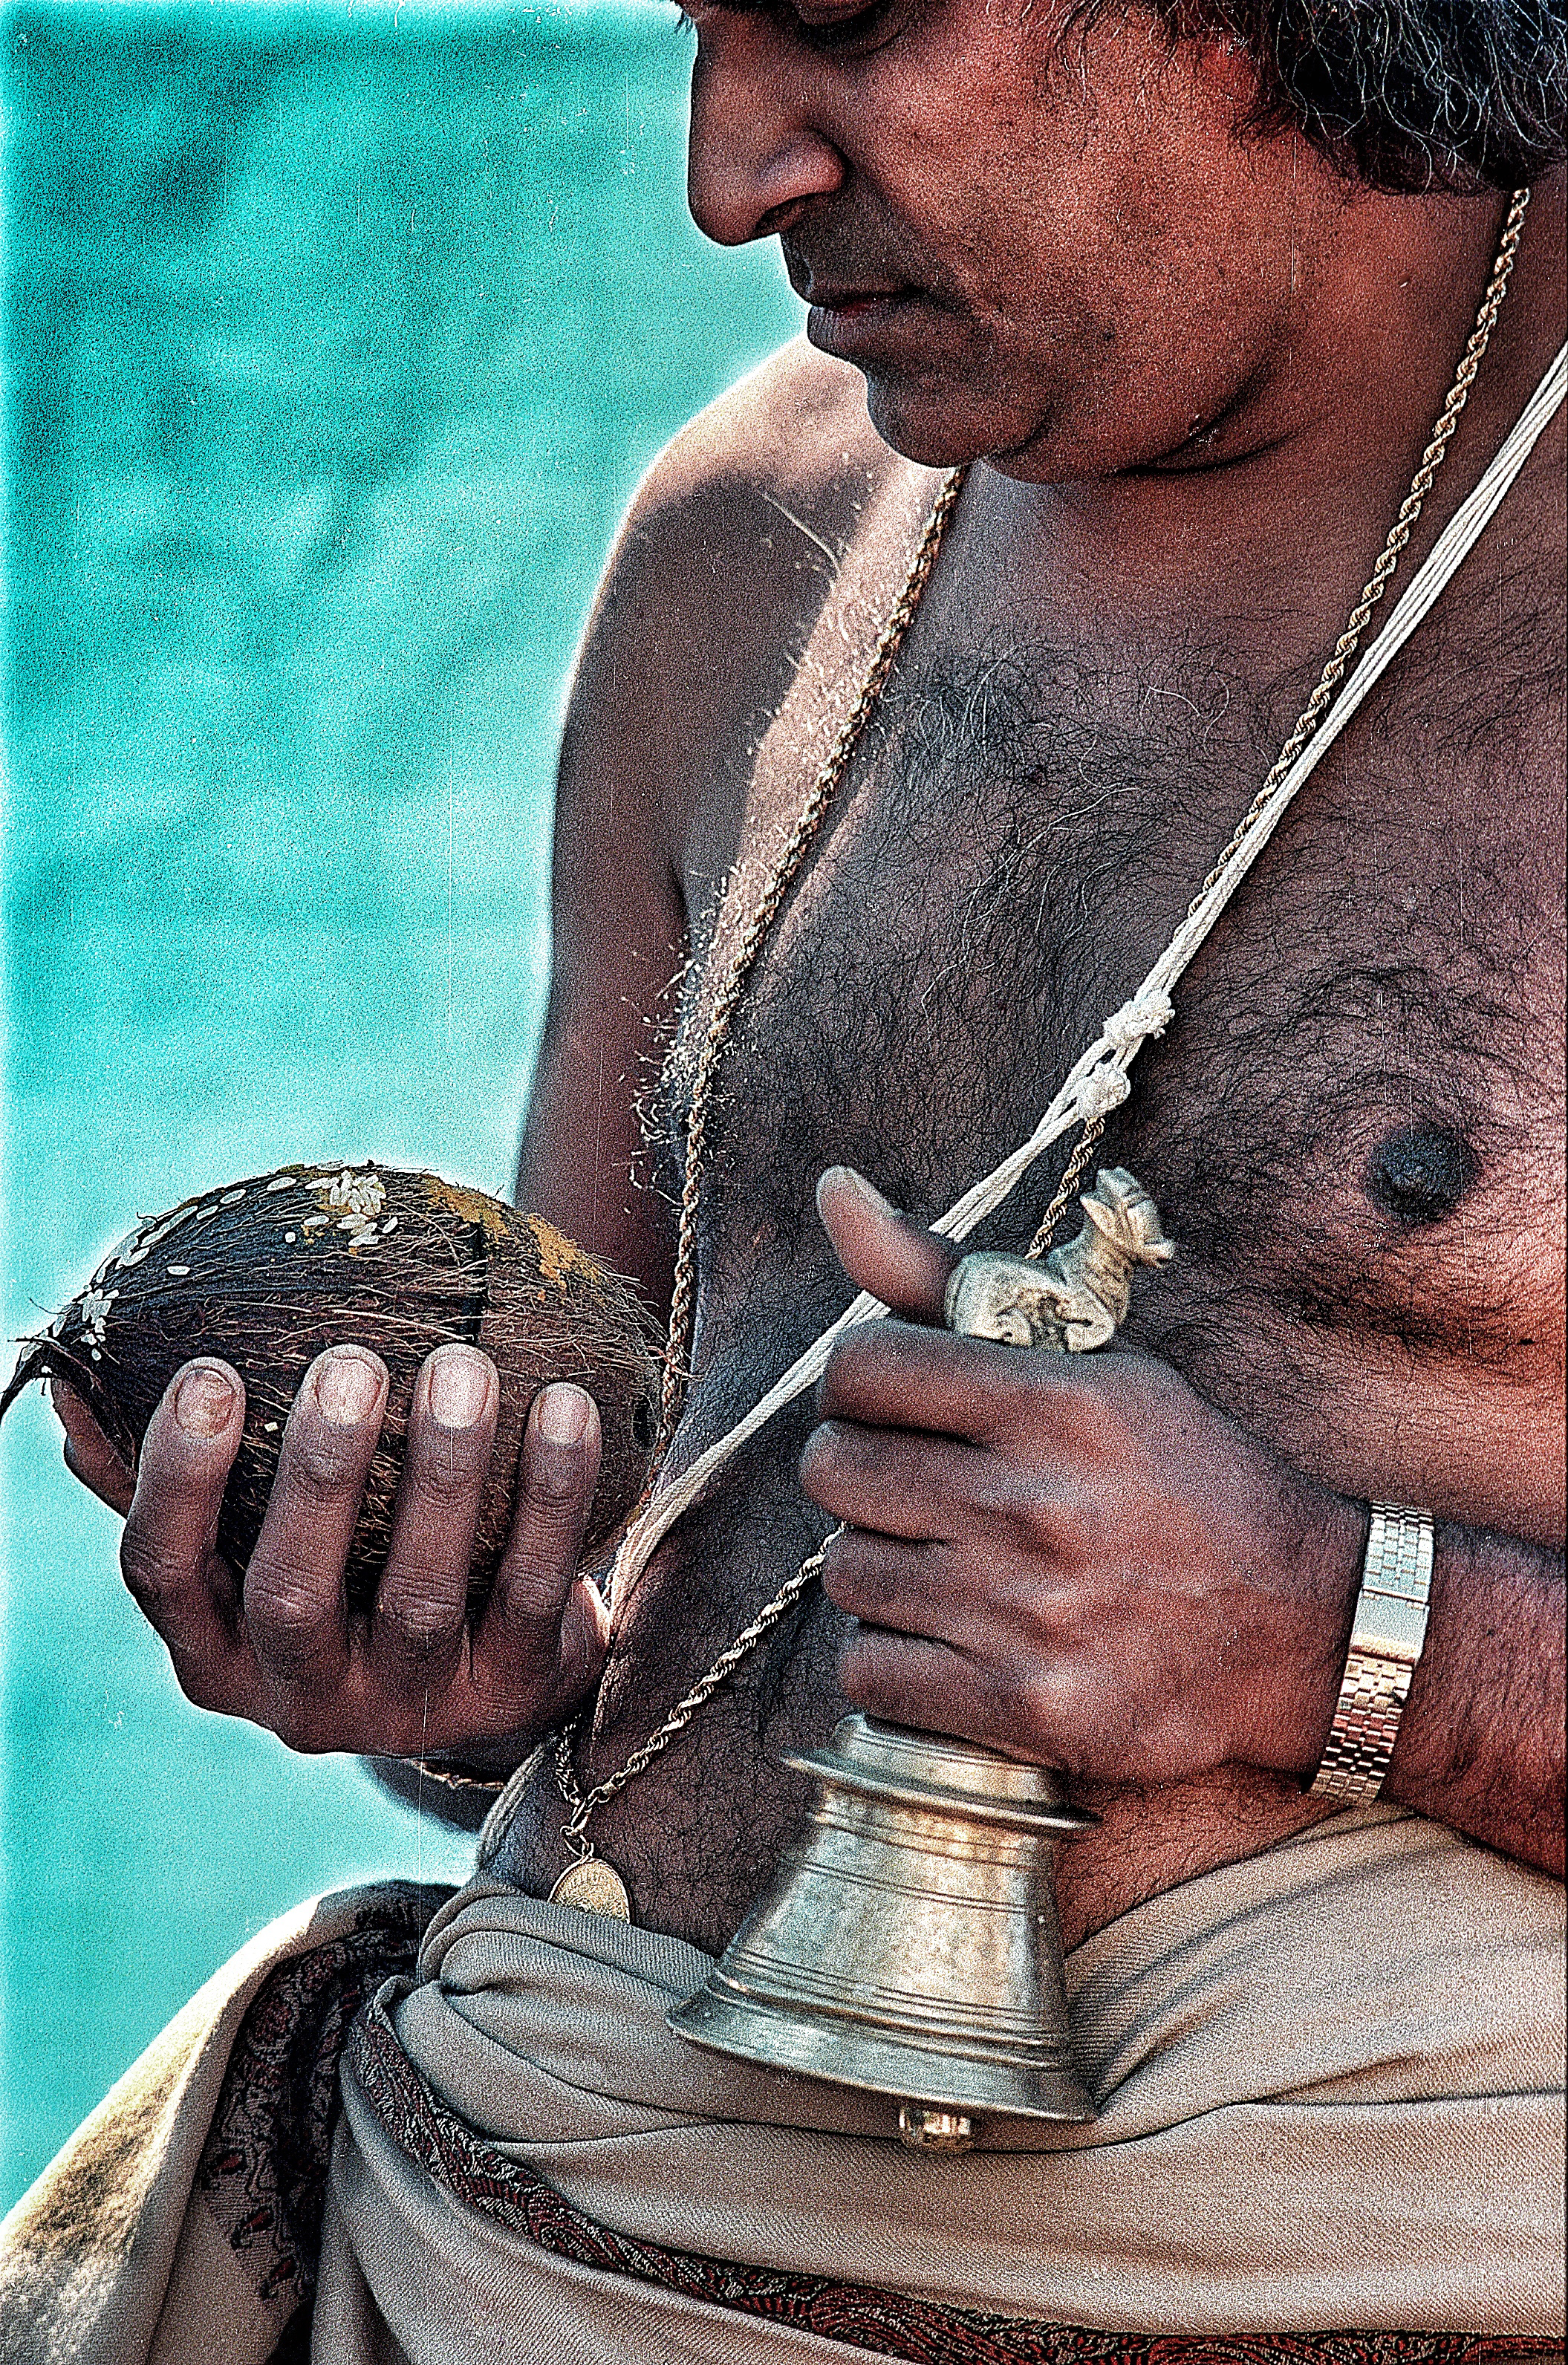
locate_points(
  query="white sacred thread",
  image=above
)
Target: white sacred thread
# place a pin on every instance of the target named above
(1098, 1080)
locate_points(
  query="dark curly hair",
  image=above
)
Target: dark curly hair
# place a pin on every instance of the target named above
(1407, 94)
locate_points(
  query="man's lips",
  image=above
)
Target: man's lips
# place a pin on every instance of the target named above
(851, 299)
(846, 321)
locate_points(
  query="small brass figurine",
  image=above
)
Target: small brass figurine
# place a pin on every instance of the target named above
(1077, 1298)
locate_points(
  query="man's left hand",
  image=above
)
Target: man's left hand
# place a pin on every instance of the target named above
(1072, 1559)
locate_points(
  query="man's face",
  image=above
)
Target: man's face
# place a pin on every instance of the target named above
(1057, 254)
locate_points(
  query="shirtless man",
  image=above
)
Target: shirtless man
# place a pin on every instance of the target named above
(1193, 367)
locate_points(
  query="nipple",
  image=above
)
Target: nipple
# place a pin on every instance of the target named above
(1418, 1173)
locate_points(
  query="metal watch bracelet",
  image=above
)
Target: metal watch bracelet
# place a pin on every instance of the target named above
(1386, 1641)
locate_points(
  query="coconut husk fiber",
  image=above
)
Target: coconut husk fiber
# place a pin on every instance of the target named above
(268, 1272)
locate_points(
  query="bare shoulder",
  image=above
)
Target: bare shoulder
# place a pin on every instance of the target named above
(721, 565)
(723, 560)
(794, 431)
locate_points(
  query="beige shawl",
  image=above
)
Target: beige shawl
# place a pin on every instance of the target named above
(1328, 2082)
(179, 2225)
(1328, 2085)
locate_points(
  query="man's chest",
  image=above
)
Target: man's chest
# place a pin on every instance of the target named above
(1352, 1128)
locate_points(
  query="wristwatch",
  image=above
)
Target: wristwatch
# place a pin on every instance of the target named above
(1386, 1641)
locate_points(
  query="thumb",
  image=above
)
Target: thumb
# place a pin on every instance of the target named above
(89, 1456)
(890, 1255)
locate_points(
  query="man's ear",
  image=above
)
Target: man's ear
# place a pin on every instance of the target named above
(897, 1260)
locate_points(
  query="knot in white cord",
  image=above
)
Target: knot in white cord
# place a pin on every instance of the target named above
(1148, 1013)
(1104, 1088)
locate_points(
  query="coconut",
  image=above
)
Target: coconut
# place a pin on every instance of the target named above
(268, 1272)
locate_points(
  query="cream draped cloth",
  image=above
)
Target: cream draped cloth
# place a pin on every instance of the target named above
(1328, 2083)
(180, 2223)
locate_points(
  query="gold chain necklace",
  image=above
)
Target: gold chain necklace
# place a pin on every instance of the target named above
(588, 1882)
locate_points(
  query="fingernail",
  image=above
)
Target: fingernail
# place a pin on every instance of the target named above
(347, 1384)
(562, 1413)
(203, 1403)
(459, 1384)
(851, 1178)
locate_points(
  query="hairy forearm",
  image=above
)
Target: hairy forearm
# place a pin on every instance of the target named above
(1481, 1745)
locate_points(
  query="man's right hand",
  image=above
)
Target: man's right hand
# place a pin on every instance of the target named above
(413, 1677)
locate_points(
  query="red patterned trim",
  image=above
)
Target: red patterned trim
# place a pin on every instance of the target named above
(885, 2324)
(262, 2170)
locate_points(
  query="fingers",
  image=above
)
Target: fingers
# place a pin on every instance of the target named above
(900, 1483)
(898, 1260)
(918, 1653)
(906, 1679)
(895, 1375)
(930, 1686)
(888, 1582)
(417, 1631)
(928, 1590)
(89, 1456)
(540, 1616)
(295, 1608)
(166, 1553)
(291, 1656)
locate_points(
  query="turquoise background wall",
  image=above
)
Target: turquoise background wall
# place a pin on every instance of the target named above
(335, 343)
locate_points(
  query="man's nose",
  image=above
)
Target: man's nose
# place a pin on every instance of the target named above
(757, 154)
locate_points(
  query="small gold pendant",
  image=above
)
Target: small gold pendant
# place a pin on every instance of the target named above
(593, 1887)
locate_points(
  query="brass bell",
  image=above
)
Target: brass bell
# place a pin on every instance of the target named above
(910, 1945)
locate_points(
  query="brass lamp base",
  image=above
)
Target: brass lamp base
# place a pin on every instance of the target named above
(910, 1946)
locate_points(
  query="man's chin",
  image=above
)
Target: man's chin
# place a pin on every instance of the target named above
(943, 427)
(933, 424)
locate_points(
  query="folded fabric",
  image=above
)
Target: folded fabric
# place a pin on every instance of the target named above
(1328, 2084)
(1329, 2095)
(180, 2226)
